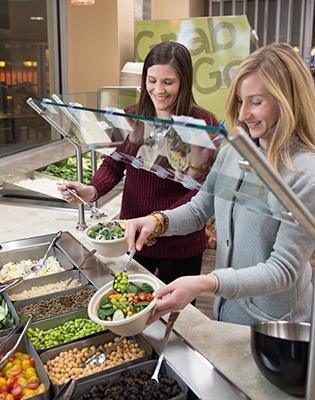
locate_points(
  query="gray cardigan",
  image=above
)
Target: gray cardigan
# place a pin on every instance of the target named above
(262, 263)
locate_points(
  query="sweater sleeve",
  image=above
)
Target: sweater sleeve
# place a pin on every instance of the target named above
(293, 246)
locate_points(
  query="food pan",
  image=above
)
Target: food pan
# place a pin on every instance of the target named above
(18, 305)
(53, 322)
(96, 340)
(82, 387)
(5, 332)
(26, 347)
(47, 279)
(34, 252)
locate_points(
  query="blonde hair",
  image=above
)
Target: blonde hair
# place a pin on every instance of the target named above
(285, 75)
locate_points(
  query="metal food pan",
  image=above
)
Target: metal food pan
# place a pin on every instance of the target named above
(96, 340)
(47, 279)
(23, 303)
(26, 347)
(82, 387)
(5, 332)
(53, 322)
(34, 252)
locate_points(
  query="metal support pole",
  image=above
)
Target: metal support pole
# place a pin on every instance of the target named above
(81, 225)
(94, 168)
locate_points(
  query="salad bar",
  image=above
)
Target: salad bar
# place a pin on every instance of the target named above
(63, 343)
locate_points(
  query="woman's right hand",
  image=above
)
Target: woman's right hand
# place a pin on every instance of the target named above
(87, 192)
(139, 228)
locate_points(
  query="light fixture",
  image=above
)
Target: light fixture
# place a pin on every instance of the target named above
(35, 18)
(82, 2)
(2, 64)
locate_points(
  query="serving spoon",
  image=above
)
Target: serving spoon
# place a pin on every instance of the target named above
(99, 359)
(41, 263)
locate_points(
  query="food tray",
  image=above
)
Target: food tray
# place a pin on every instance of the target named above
(95, 341)
(82, 387)
(5, 332)
(26, 347)
(34, 252)
(23, 303)
(49, 323)
(47, 279)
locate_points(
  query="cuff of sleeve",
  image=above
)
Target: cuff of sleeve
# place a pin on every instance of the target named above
(228, 282)
(217, 282)
(96, 194)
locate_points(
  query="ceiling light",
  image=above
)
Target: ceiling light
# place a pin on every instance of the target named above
(37, 18)
(82, 2)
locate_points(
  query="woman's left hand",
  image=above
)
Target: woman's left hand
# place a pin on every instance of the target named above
(181, 292)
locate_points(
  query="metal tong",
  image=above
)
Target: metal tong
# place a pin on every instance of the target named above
(169, 327)
(10, 284)
(94, 209)
(15, 330)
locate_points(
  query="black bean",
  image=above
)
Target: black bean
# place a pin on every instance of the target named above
(135, 386)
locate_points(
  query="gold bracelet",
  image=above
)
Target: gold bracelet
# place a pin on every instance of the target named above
(159, 229)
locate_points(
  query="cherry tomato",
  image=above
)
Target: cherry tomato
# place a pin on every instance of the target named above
(149, 297)
(141, 296)
(16, 391)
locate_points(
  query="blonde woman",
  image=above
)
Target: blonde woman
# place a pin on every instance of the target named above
(262, 269)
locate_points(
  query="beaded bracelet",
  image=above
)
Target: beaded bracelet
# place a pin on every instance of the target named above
(159, 229)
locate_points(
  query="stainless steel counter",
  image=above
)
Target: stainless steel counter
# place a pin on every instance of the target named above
(200, 350)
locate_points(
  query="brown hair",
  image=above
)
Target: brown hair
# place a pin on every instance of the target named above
(178, 56)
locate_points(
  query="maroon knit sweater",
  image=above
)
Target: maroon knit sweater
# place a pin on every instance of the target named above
(145, 192)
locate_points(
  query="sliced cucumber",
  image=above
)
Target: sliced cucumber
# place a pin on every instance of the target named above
(118, 315)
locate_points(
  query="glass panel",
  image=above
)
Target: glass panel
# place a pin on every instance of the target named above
(169, 148)
(24, 72)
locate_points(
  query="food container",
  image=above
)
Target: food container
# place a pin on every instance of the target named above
(35, 252)
(107, 248)
(129, 326)
(96, 341)
(26, 347)
(82, 387)
(48, 279)
(280, 350)
(57, 321)
(18, 305)
(5, 332)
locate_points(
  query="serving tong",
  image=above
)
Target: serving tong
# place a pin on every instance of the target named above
(9, 284)
(98, 213)
(7, 338)
(169, 327)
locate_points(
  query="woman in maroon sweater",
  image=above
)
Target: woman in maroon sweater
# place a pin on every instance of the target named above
(166, 90)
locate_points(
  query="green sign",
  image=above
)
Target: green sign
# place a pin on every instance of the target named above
(217, 45)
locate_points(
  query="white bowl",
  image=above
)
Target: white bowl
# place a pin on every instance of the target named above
(128, 326)
(108, 248)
